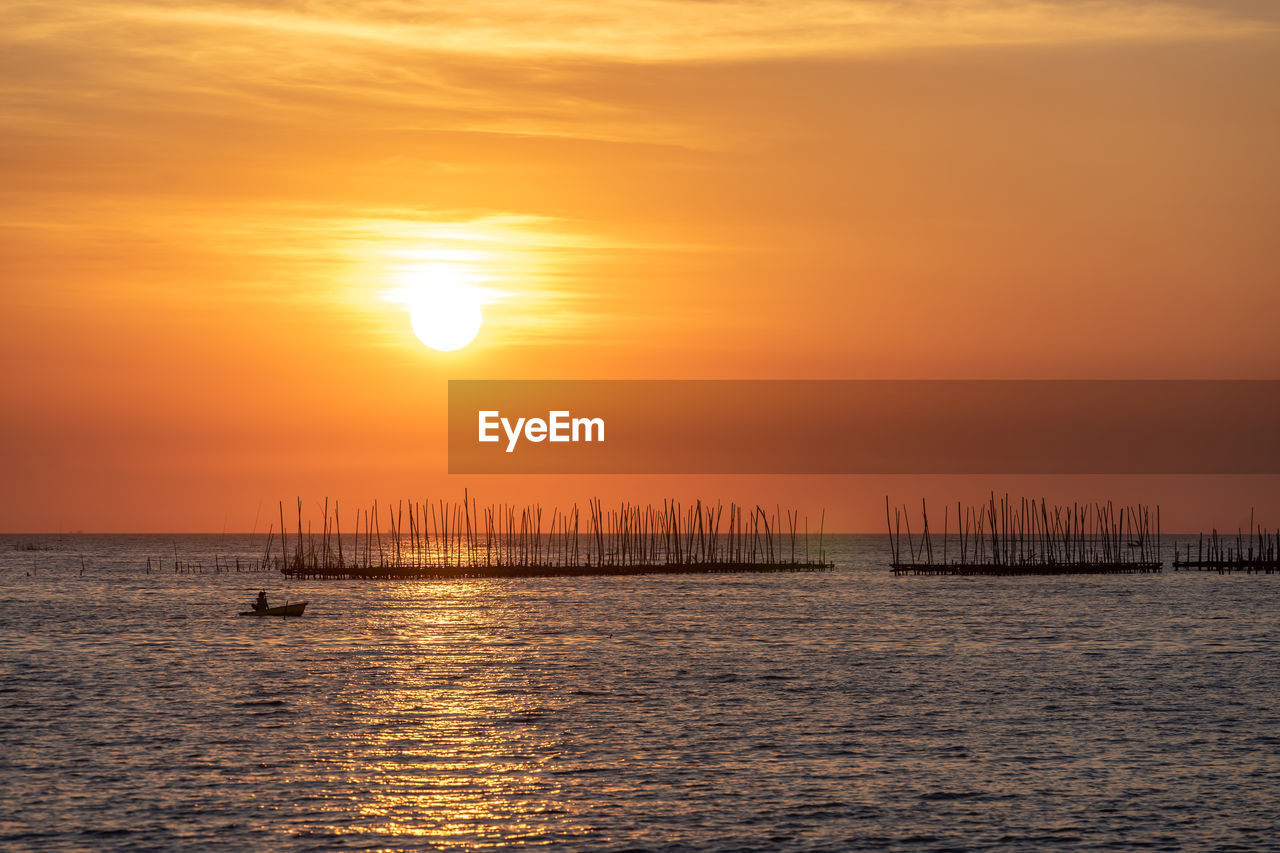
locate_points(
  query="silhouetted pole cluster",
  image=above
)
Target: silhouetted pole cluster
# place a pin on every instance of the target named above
(1257, 551)
(1030, 537)
(447, 539)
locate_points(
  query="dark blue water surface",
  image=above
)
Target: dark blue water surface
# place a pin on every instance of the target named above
(844, 710)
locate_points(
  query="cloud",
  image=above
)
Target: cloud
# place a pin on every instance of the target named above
(385, 103)
(495, 66)
(491, 66)
(655, 30)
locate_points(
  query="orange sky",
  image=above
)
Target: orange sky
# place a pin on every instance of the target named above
(207, 209)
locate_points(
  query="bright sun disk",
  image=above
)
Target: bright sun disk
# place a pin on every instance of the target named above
(443, 301)
(446, 317)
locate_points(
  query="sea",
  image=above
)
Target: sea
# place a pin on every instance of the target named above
(838, 711)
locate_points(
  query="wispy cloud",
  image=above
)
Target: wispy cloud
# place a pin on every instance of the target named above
(490, 66)
(132, 104)
(662, 30)
(303, 258)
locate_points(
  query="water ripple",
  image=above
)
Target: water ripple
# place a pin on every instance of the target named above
(841, 711)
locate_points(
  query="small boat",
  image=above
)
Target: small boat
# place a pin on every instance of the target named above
(284, 610)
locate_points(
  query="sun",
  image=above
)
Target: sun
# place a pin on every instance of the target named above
(444, 304)
(446, 317)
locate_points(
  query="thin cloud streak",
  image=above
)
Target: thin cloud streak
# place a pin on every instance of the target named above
(490, 67)
(343, 261)
(669, 31)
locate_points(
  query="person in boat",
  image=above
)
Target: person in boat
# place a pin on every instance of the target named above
(261, 603)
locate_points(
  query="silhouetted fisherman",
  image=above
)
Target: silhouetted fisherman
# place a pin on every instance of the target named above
(261, 603)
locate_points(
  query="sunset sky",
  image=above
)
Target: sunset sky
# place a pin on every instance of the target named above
(212, 213)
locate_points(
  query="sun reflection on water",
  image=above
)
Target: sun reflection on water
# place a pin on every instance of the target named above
(451, 743)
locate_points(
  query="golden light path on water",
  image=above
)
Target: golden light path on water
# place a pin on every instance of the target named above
(437, 745)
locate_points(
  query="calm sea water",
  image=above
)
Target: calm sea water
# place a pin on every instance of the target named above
(836, 711)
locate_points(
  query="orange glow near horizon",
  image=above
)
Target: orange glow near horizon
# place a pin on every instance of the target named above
(220, 223)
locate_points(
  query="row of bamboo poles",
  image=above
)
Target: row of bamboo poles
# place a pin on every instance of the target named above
(458, 539)
(219, 566)
(1256, 552)
(1029, 537)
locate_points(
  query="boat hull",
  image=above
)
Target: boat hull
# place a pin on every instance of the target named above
(283, 610)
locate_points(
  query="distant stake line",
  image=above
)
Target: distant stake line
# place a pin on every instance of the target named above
(1028, 538)
(1258, 551)
(445, 539)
